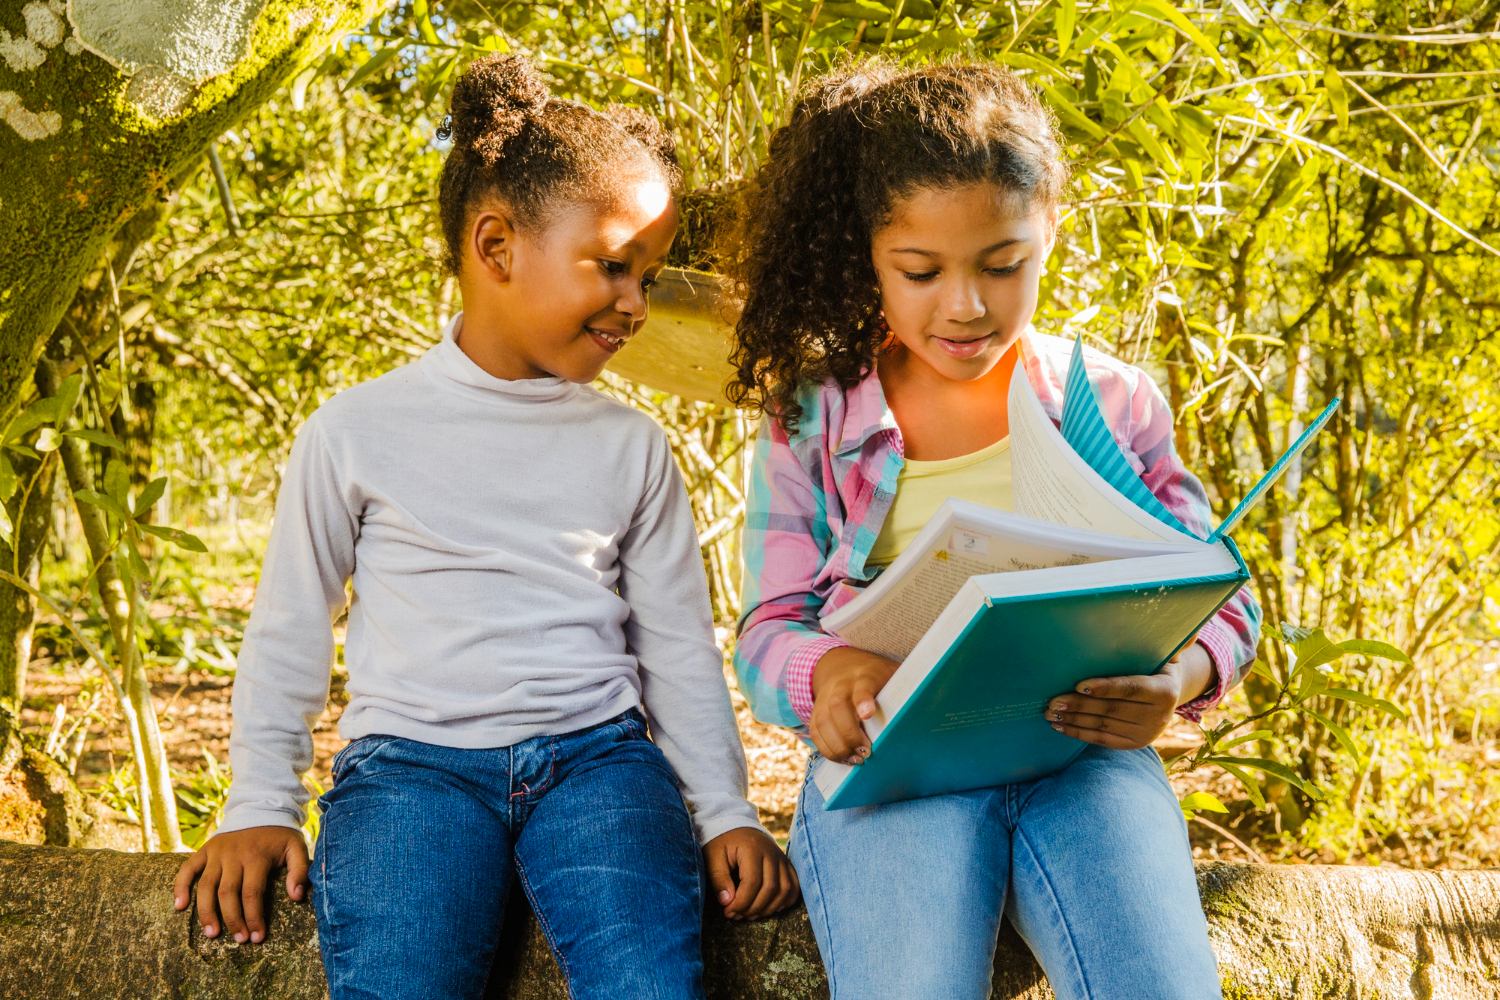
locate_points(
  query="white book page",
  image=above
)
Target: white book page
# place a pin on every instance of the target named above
(966, 539)
(1050, 482)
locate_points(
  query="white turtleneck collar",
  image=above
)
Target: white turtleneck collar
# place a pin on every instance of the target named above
(448, 365)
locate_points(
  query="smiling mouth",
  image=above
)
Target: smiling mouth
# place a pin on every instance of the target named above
(609, 341)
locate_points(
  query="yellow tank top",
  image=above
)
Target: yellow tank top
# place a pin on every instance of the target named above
(982, 477)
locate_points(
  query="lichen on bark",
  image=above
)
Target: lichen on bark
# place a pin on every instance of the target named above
(62, 197)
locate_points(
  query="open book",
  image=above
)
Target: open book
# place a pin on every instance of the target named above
(991, 613)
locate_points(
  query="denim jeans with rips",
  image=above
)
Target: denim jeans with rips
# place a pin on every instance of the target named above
(420, 845)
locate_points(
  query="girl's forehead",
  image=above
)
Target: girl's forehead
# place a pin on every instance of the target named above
(957, 217)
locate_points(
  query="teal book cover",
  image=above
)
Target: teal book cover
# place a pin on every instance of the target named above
(976, 718)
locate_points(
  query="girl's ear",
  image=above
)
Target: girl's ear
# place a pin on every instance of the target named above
(1053, 218)
(492, 242)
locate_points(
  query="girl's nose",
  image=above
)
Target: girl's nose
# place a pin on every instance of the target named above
(632, 303)
(963, 303)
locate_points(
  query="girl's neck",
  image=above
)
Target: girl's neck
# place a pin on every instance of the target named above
(939, 417)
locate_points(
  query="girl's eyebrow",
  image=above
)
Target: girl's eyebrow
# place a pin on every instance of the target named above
(989, 249)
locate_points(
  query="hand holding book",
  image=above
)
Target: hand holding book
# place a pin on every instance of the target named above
(1131, 712)
(845, 683)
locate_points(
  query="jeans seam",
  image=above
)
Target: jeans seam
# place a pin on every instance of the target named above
(541, 920)
(828, 963)
(1022, 838)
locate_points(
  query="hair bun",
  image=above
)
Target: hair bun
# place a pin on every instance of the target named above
(492, 99)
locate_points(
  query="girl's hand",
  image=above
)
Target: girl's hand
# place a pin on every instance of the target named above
(1128, 713)
(749, 874)
(845, 683)
(236, 872)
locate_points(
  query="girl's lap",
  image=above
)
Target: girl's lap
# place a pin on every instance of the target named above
(1092, 865)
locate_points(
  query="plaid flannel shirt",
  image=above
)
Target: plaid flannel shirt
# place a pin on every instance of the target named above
(818, 498)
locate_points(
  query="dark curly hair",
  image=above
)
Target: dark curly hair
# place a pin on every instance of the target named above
(513, 139)
(858, 140)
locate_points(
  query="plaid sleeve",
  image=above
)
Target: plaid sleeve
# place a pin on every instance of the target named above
(786, 543)
(1230, 637)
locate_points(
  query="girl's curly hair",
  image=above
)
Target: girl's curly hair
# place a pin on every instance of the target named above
(858, 140)
(513, 139)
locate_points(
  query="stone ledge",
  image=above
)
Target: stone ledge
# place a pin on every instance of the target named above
(100, 924)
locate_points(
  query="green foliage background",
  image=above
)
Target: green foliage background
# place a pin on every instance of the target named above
(1272, 206)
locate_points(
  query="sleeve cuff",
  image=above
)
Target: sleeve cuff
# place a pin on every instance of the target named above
(799, 672)
(1221, 654)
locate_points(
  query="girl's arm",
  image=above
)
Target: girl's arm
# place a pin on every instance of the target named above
(670, 632)
(281, 683)
(1230, 637)
(786, 542)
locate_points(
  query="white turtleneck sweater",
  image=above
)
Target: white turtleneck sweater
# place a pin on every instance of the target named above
(524, 564)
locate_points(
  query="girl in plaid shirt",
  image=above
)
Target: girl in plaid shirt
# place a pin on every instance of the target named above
(889, 258)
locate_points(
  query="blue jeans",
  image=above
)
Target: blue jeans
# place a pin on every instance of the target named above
(1091, 865)
(419, 846)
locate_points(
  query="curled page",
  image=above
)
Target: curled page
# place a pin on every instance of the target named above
(1051, 482)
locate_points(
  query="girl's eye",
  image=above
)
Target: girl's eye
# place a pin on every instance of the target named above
(923, 276)
(613, 268)
(647, 284)
(1007, 269)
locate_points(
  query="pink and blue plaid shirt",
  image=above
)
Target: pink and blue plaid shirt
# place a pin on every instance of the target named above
(818, 499)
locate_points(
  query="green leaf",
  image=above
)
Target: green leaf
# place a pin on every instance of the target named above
(1261, 669)
(1373, 647)
(1067, 17)
(1113, 100)
(1339, 733)
(1337, 95)
(1022, 60)
(1251, 786)
(1202, 800)
(1315, 650)
(103, 502)
(149, 495)
(8, 479)
(48, 440)
(1259, 734)
(1368, 701)
(1274, 768)
(373, 65)
(100, 438)
(1071, 115)
(117, 482)
(424, 22)
(1163, 9)
(66, 398)
(1293, 634)
(181, 539)
(43, 411)
(7, 530)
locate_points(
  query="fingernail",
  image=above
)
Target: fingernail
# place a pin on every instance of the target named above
(725, 896)
(1057, 727)
(855, 760)
(210, 931)
(1056, 716)
(256, 936)
(1086, 690)
(863, 751)
(239, 937)
(866, 709)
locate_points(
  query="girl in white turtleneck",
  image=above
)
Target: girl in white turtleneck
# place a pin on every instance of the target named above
(528, 599)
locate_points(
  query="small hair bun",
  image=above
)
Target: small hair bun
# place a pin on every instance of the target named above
(491, 102)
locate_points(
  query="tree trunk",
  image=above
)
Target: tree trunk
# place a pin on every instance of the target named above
(31, 516)
(84, 144)
(101, 924)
